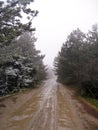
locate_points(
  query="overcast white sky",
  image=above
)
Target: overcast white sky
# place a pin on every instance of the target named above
(57, 18)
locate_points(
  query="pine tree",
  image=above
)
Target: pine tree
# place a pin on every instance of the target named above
(11, 14)
(77, 61)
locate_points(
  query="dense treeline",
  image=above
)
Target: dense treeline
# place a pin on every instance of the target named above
(21, 65)
(77, 62)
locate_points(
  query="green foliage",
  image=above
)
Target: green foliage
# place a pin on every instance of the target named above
(77, 62)
(21, 65)
(11, 24)
(93, 101)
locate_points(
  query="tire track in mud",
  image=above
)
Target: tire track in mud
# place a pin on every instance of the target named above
(15, 112)
(38, 112)
(67, 118)
(45, 118)
(28, 111)
(20, 117)
(80, 118)
(89, 121)
(50, 107)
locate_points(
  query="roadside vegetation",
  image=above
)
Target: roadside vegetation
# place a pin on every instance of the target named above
(77, 62)
(21, 64)
(94, 102)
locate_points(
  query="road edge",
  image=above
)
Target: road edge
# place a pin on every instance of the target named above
(91, 109)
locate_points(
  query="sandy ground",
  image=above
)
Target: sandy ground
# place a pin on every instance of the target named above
(52, 106)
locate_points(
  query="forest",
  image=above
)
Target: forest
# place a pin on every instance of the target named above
(77, 62)
(21, 64)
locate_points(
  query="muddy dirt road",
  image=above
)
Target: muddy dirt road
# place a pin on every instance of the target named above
(49, 107)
